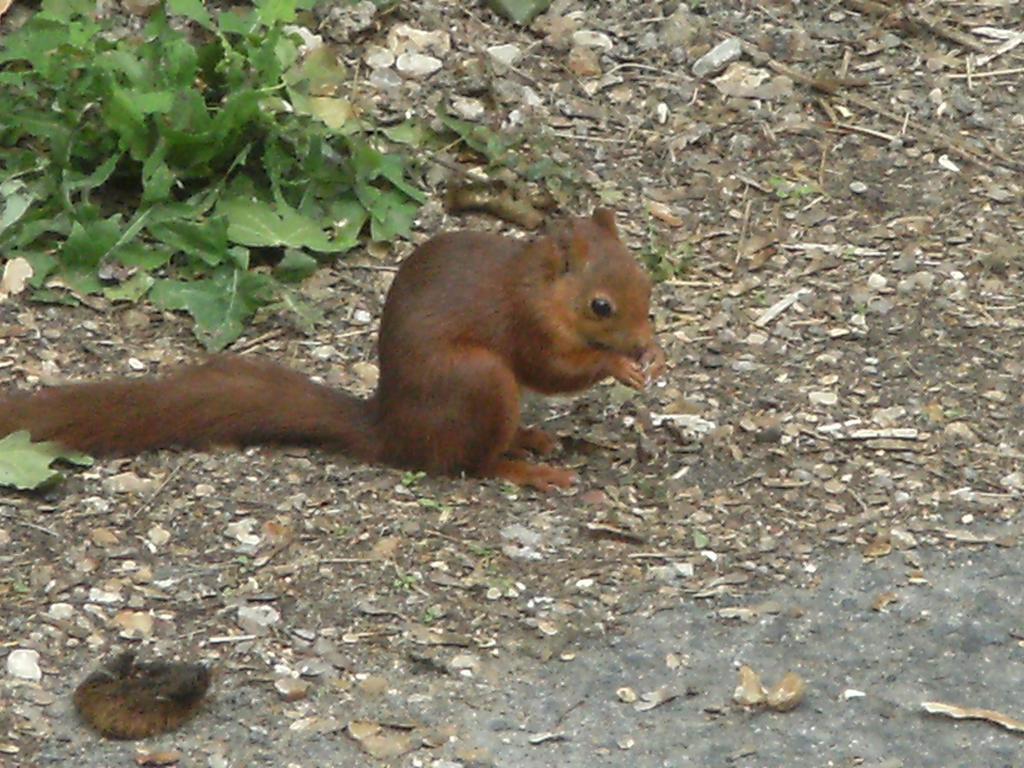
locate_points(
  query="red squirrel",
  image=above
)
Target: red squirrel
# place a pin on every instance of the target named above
(128, 699)
(471, 320)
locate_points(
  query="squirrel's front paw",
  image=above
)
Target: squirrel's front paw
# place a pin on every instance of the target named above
(653, 361)
(629, 372)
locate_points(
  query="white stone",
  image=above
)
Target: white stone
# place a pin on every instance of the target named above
(23, 664)
(377, 57)
(467, 108)
(531, 98)
(823, 397)
(876, 281)
(507, 55)
(103, 597)
(718, 58)
(257, 616)
(417, 65)
(61, 611)
(588, 38)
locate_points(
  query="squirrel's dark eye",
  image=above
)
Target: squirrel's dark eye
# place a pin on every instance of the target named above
(601, 307)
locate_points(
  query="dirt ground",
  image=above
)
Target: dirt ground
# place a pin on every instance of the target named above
(828, 480)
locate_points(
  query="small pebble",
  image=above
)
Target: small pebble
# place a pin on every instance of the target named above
(23, 664)
(876, 281)
(823, 397)
(417, 66)
(718, 58)
(377, 57)
(506, 55)
(589, 39)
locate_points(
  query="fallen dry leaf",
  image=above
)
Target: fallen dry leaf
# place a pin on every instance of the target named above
(653, 699)
(973, 713)
(788, 693)
(167, 757)
(17, 271)
(378, 741)
(750, 692)
(884, 600)
(663, 213)
(880, 546)
(783, 697)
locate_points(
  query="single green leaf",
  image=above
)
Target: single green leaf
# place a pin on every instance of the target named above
(122, 61)
(26, 465)
(15, 206)
(157, 177)
(123, 115)
(50, 296)
(144, 256)
(319, 72)
(73, 182)
(193, 9)
(412, 132)
(179, 64)
(17, 80)
(520, 11)
(219, 305)
(271, 12)
(348, 216)
(26, 232)
(392, 168)
(259, 224)
(371, 165)
(88, 244)
(154, 102)
(132, 289)
(336, 114)
(64, 10)
(42, 262)
(391, 216)
(236, 22)
(206, 239)
(295, 266)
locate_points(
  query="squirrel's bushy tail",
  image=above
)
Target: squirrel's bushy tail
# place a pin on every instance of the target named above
(227, 400)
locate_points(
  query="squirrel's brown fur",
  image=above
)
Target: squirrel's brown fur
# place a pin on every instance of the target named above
(126, 699)
(470, 321)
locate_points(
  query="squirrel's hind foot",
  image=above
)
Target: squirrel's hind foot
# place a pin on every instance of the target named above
(540, 476)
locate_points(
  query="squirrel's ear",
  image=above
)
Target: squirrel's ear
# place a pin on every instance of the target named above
(605, 219)
(569, 248)
(555, 257)
(579, 248)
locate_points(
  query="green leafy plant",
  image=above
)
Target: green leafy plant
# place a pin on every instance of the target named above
(663, 260)
(410, 479)
(405, 581)
(785, 189)
(171, 163)
(528, 156)
(433, 614)
(27, 466)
